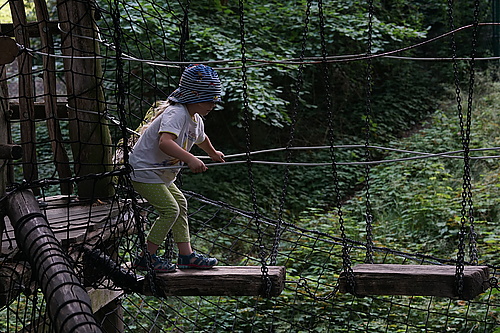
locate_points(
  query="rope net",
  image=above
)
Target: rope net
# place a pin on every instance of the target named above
(85, 77)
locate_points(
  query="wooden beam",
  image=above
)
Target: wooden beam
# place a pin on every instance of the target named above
(40, 113)
(415, 280)
(218, 281)
(7, 29)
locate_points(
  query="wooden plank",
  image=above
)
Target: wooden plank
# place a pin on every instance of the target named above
(70, 220)
(415, 280)
(219, 281)
(99, 298)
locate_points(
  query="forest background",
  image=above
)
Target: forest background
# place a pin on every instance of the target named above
(411, 104)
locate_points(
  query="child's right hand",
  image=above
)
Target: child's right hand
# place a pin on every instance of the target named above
(196, 165)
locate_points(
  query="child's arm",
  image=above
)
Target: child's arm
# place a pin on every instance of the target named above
(170, 147)
(215, 155)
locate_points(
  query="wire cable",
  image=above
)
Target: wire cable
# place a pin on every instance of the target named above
(422, 155)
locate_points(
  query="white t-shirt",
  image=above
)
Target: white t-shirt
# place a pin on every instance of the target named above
(147, 154)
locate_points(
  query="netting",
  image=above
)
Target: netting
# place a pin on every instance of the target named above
(84, 79)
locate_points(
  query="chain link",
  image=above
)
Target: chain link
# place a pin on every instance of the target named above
(493, 282)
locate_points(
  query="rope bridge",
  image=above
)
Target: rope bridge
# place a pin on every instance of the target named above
(75, 81)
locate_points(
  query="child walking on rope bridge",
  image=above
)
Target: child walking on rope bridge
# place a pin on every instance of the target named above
(166, 142)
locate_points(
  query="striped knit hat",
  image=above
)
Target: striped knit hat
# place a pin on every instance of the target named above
(199, 83)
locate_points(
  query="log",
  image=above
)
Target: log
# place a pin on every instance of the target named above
(10, 152)
(10, 50)
(218, 281)
(68, 303)
(415, 280)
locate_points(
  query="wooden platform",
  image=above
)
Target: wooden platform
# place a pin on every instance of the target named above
(219, 281)
(68, 218)
(416, 280)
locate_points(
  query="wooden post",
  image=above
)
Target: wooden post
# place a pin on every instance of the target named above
(49, 85)
(68, 303)
(26, 100)
(89, 132)
(4, 139)
(111, 317)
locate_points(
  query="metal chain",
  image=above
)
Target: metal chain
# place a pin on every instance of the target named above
(368, 157)
(493, 282)
(472, 234)
(293, 117)
(246, 114)
(467, 211)
(346, 260)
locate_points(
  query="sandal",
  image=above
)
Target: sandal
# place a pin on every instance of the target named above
(158, 264)
(197, 261)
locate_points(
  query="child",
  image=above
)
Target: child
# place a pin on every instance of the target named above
(166, 142)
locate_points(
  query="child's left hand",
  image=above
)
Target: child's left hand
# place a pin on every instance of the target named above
(218, 156)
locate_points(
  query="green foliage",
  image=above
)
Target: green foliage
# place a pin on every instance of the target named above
(418, 203)
(273, 31)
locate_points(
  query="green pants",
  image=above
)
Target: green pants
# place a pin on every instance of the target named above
(171, 206)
